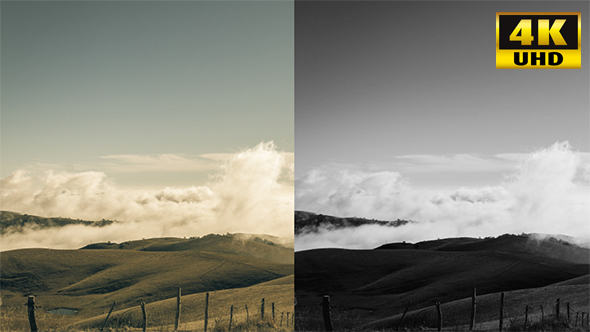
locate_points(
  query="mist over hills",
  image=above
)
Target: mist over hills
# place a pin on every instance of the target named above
(308, 222)
(264, 247)
(13, 222)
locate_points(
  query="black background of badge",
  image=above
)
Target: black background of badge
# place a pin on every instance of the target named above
(569, 31)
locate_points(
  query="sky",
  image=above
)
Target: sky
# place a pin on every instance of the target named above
(401, 113)
(174, 116)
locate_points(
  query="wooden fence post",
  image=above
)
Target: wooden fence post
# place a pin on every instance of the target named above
(107, 319)
(542, 316)
(177, 319)
(526, 316)
(273, 311)
(207, 310)
(247, 316)
(231, 316)
(31, 310)
(142, 304)
(326, 311)
(439, 316)
(576, 323)
(403, 315)
(282, 313)
(288, 318)
(557, 309)
(501, 311)
(262, 309)
(473, 304)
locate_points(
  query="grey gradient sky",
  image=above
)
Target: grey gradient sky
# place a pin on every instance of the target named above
(376, 80)
(400, 112)
(92, 79)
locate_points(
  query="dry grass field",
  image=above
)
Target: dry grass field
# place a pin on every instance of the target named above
(236, 270)
(369, 289)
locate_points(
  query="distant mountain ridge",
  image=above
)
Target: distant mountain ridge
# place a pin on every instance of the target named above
(13, 222)
(558, 247)
(308, 222)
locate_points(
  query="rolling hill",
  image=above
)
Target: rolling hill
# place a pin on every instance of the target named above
(264, 247)
(88, 280)
(382, 281)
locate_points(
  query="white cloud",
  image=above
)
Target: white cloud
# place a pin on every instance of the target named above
(247, 195)
(545, 193)
(131, 163)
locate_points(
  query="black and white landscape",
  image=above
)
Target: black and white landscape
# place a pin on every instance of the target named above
(423, 172)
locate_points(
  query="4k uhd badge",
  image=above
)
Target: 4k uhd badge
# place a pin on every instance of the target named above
(538, 40)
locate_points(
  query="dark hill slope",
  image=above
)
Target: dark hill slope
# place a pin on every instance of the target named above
(457, 313)
(527, 245)
(386, 280)
(253, 246)
(308, 222)
(12, 222)
(94, 278)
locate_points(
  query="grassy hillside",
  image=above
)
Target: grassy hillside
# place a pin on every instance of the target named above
(248, 245)
(162, 313)
(89, 280)
(384, 281)
(528, 245)
(457, 313)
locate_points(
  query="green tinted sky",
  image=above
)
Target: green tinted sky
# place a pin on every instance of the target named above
(85, 80)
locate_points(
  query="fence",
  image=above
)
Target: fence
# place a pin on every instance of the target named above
(559, 318)
(262, 315)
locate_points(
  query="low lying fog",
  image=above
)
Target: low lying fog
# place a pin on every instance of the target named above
(251, 193)
(547, 192)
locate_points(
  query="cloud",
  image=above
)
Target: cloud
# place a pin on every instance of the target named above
(248, 194)
(131, 163)
(545, 193)
(429, 163)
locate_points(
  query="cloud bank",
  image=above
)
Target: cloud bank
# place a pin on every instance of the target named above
(252, 192)
(547, 192)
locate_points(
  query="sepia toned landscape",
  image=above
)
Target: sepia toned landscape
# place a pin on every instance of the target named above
(74, 289)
